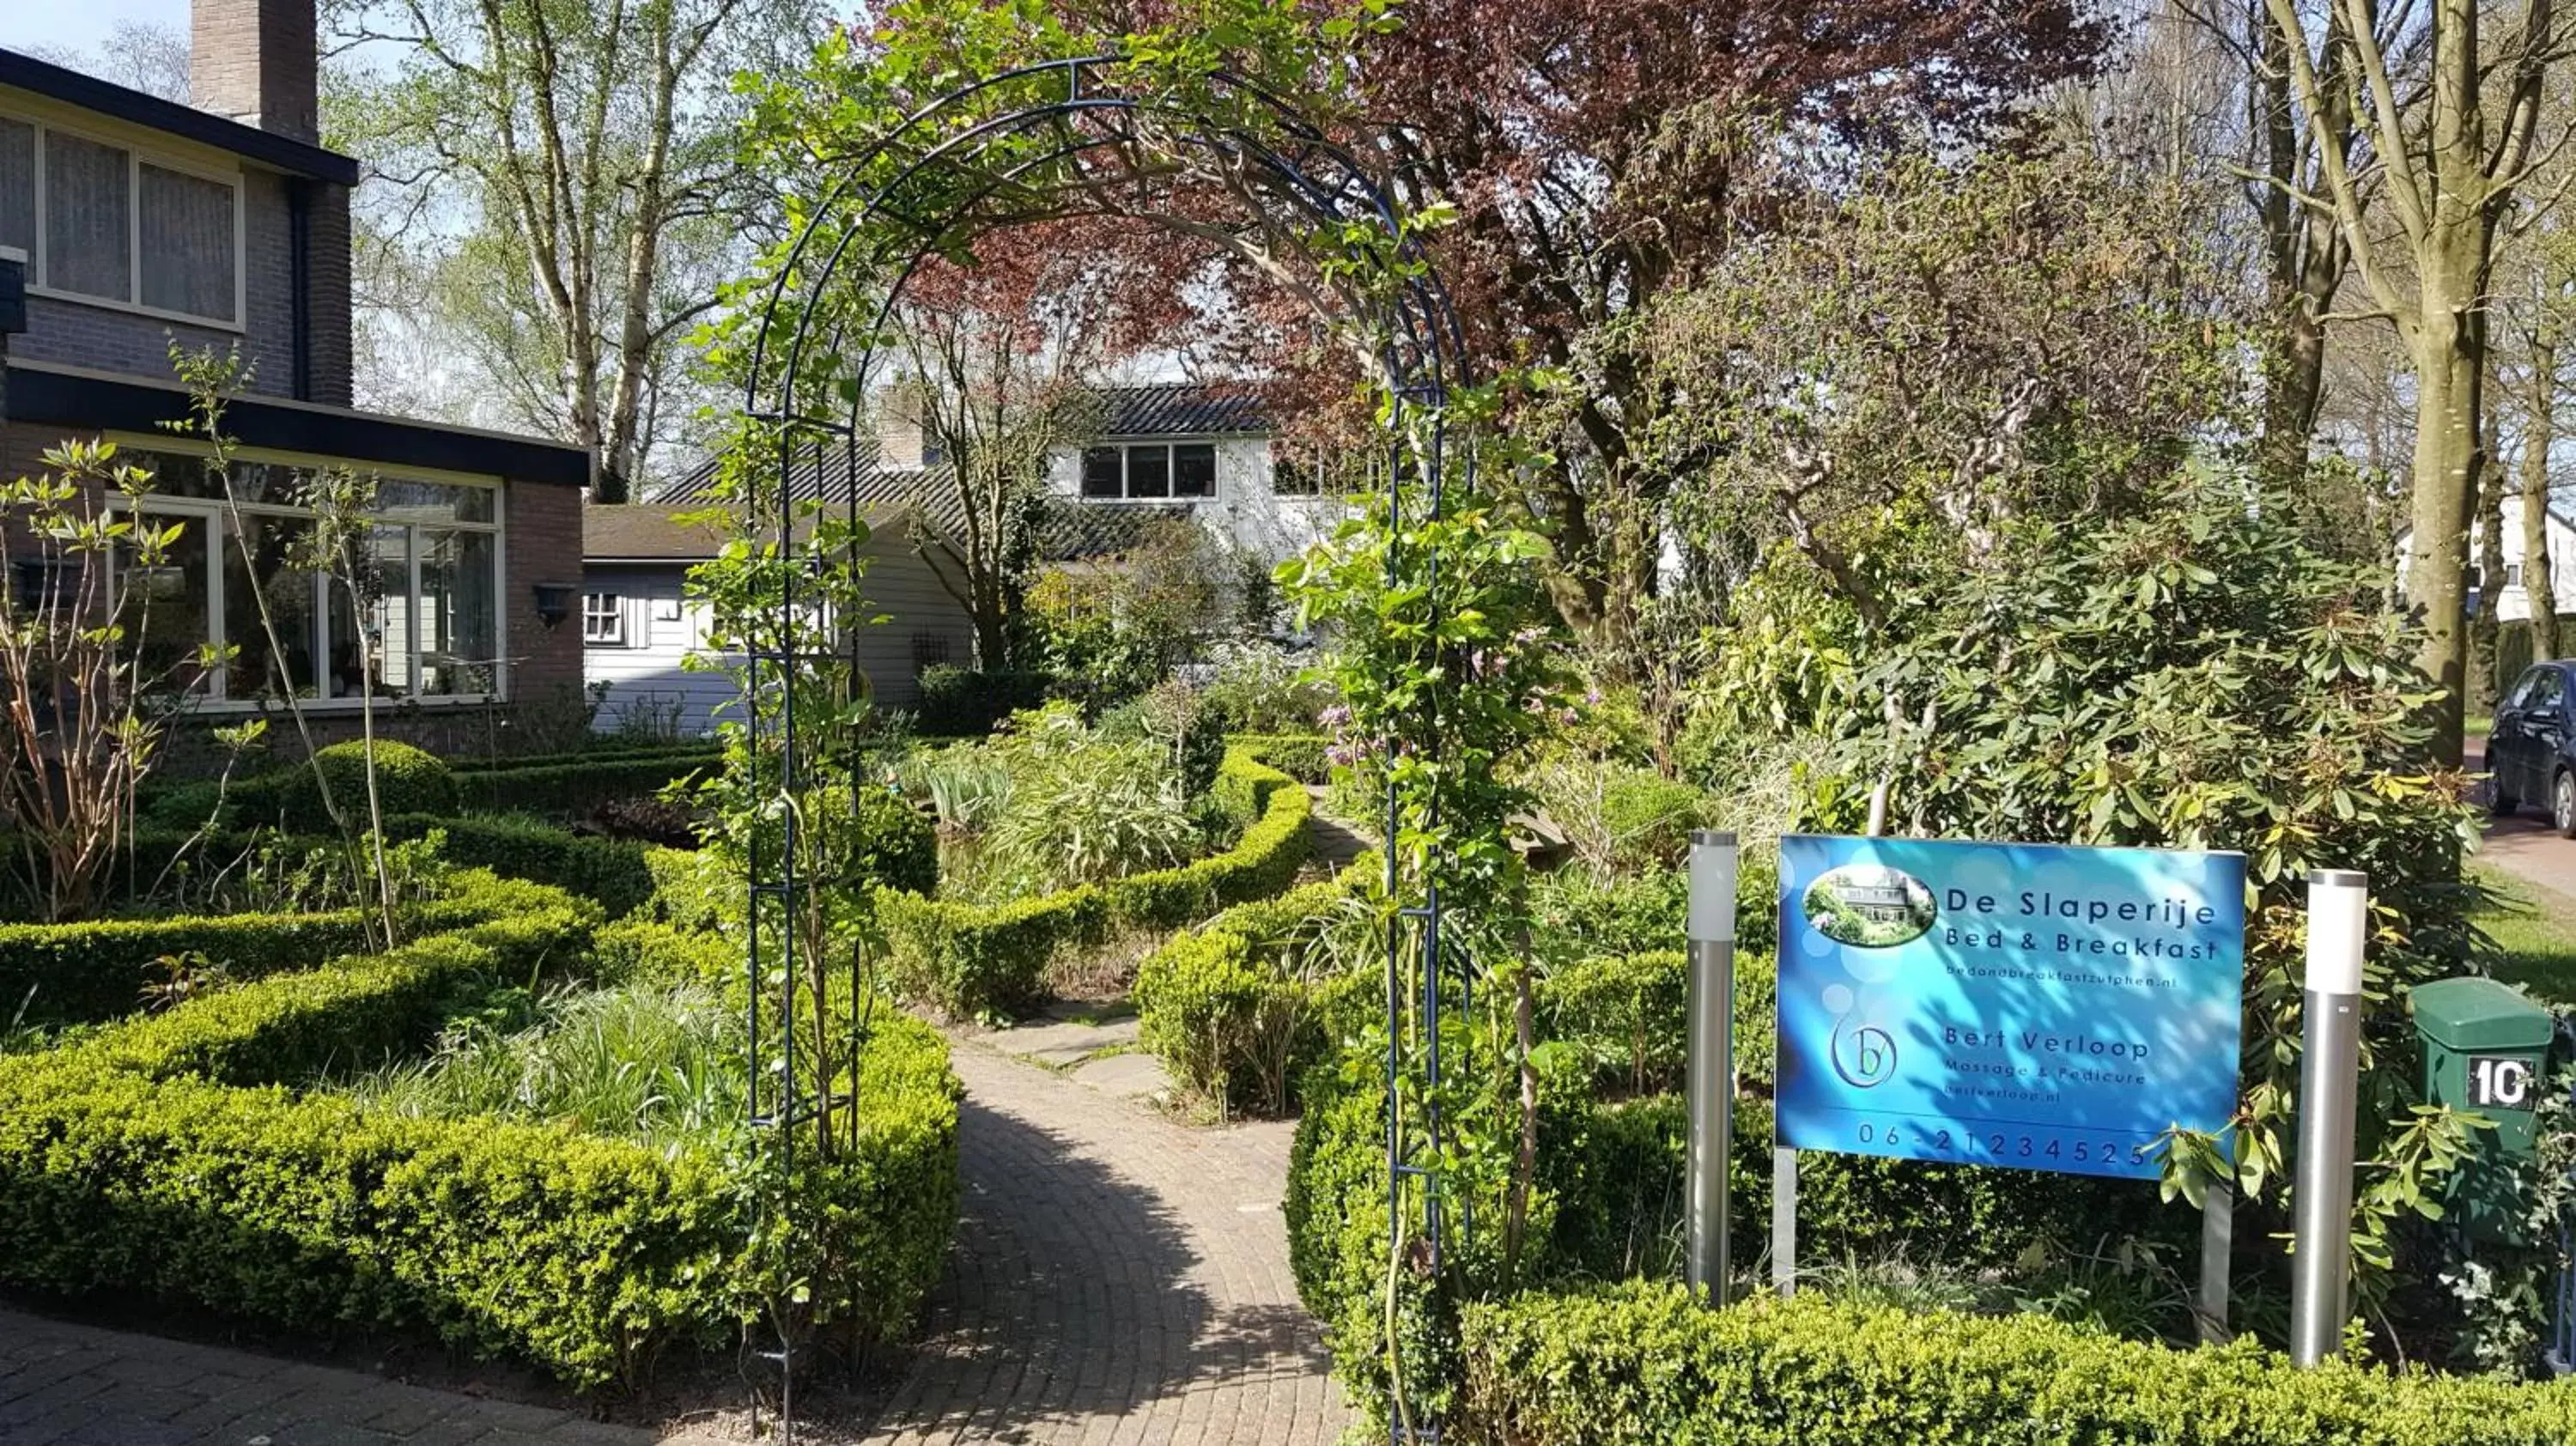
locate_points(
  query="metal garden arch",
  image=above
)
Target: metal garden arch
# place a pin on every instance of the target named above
(985, 155)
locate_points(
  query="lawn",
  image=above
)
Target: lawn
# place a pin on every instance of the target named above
(2536, 929)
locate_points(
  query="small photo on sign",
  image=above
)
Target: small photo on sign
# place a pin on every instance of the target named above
(1870, 906)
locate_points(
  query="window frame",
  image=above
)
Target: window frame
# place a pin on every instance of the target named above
(1170, 448)
(138, 154)
(613, 614)
(215, 514)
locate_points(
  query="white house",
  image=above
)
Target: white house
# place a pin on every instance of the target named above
(2513, 603)
(1208, 453)
(637, 626)
(1166, 450)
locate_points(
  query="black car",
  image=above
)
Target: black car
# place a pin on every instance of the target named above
(2532, 748)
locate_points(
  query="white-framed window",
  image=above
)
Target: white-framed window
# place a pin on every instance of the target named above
(423, 622)
(108, 223)
(1150, 471)
(603, 620)
(1326, 471)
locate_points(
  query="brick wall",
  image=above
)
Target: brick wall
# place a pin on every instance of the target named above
(254, 61)
(541, 535)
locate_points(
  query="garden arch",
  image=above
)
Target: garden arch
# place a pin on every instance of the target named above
(1072, 137)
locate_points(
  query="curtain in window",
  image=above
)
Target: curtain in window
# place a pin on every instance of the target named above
(18, 186)
(187, 244)
(259, 670)
(396, 665)
(1149, 472)
(166, 608)
(86, 211)
(1194, 470)
(459, 613)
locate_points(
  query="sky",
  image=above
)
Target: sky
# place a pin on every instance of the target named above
(79, 24)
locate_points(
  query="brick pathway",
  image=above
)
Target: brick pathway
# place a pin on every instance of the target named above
(74, 1385)
(1117, 1278)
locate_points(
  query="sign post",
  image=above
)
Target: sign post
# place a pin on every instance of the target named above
(1711, 1061)
(2329, 1071)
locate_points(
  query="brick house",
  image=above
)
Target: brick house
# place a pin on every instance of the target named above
(129, 224)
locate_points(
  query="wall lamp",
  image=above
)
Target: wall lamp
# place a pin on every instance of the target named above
(554, 601)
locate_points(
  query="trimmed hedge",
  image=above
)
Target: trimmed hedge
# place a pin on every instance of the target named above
(161, 1158)
(968, 702)
(408, 780)
(1643, 1363)
(969, 960)
(81, 973)
(609, 872)
(550, 783)
(1229, 1010)
(575, 788)
(1302, 756)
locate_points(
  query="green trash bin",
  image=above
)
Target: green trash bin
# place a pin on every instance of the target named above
(2486, 1049)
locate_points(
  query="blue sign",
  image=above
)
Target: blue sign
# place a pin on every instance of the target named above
(2029, 1005)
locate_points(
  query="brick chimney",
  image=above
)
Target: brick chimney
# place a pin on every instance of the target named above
(254, 61)
(901, 446)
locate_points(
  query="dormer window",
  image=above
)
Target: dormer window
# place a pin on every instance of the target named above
(1150, 472)
(105, 223)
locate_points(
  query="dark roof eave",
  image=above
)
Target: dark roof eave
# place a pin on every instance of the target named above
(285, 153)
(81, 401)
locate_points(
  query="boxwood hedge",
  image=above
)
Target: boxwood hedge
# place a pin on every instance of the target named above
(1643, 1363)
(179, 1158)
(968, 959)
(79, 973)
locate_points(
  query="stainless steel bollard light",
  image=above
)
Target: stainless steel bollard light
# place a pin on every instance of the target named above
(2329, 1068)
(1711, 1082)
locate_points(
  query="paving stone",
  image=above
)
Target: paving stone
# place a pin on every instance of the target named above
(1134, 1076)
(1063, 1043)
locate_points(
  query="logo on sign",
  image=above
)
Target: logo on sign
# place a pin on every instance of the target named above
(1865, 1057)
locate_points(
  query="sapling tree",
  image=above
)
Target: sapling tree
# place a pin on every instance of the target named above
(212, 378)
(340, 546)
(80, 567)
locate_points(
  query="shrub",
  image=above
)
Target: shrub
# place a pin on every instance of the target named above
(976, 961)
(1302, 756)
(76, 973)
(695, 889)
(1259, 689)
(1228, 1028)
(966, 702)
(973, 960)
(1236, 1009)
(1644, 1363)
(642, 949)
(155, 1160)
(407, 781)
(569, 790)
(892, 843)
(610, 872)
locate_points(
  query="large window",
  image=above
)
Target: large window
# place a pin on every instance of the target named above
(423, 622)
(1150, 471)
(102, 222)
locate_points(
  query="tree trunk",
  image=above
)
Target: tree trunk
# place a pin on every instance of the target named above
(2448, 369)
(2540, 429)
(2489, 528)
